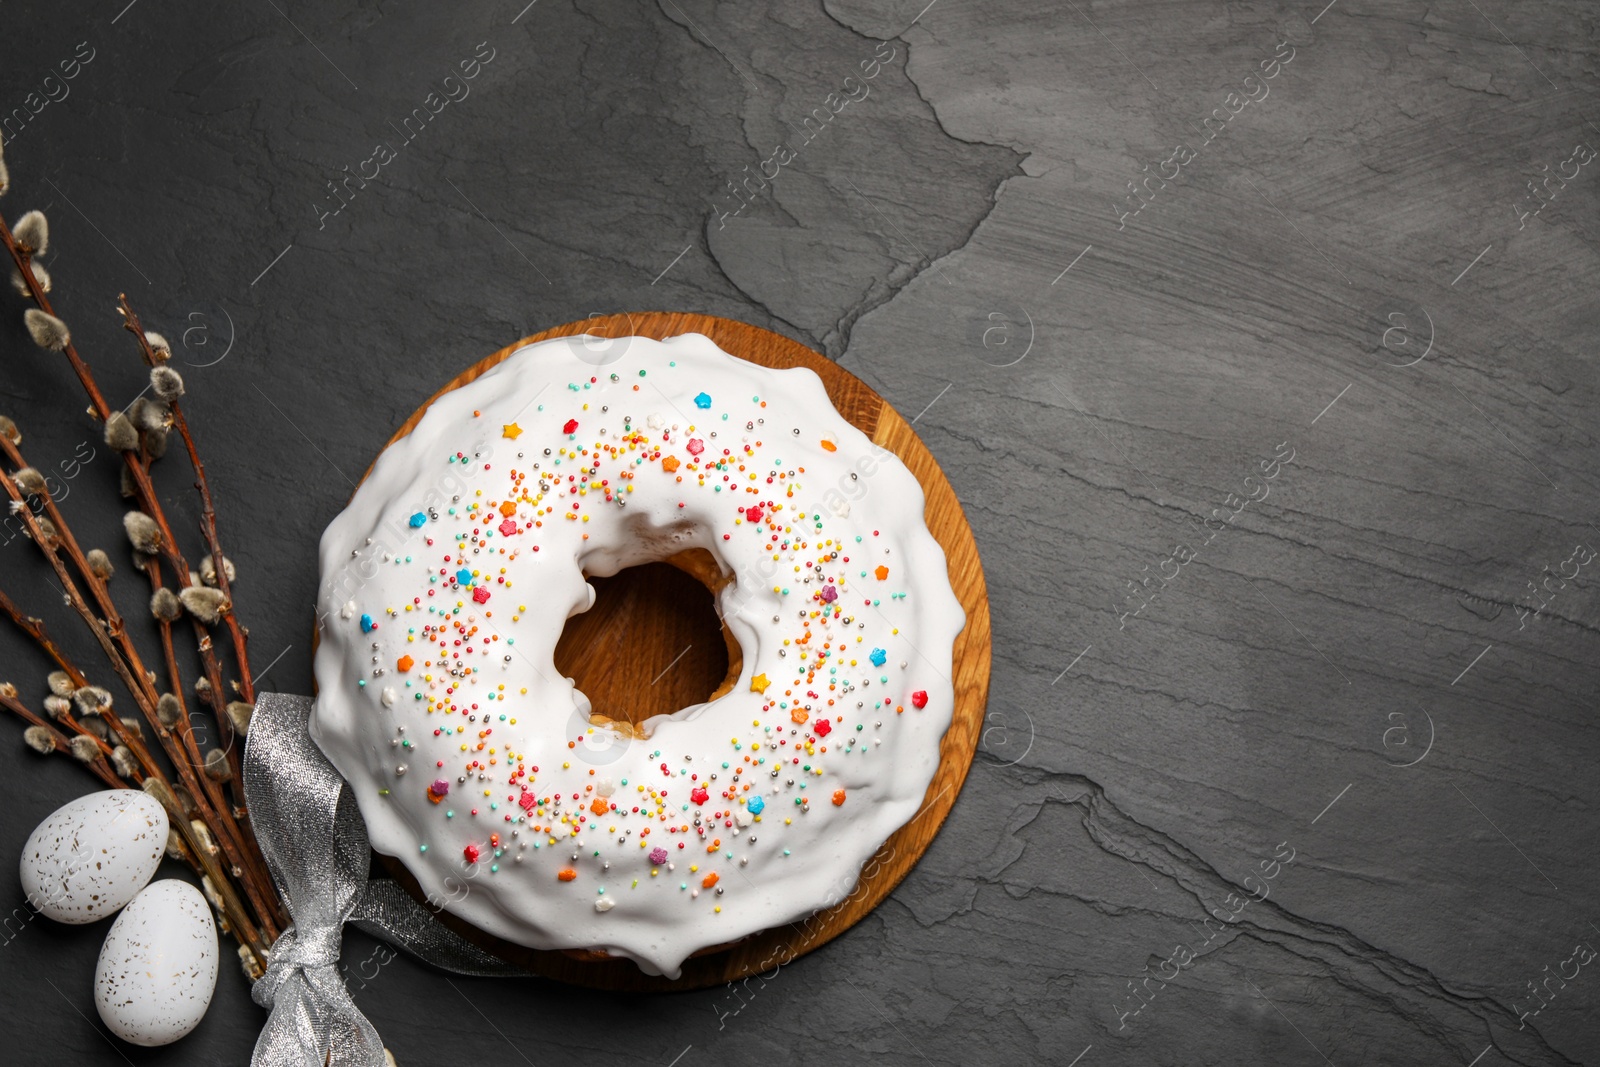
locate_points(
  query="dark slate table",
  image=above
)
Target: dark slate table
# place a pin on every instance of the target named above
(1285, 770)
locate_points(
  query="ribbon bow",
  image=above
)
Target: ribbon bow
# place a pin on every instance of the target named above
(315, 844)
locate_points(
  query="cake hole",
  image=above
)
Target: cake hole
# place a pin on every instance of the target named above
(651, 645)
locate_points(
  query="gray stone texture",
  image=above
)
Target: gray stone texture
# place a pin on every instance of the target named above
(1162, 723)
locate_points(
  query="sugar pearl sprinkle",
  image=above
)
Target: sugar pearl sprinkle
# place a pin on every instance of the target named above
(695, 821)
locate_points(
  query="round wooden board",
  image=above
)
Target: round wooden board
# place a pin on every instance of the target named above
(656, 614)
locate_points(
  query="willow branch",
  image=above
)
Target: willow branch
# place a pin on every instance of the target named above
(75, 599)
(237, 845)
(97, 588)
(99, 767)
(134, 744)
(124, 658)
(208, 512)
(144, 489)
(34, 628)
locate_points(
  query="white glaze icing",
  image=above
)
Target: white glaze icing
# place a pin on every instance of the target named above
(639, 405)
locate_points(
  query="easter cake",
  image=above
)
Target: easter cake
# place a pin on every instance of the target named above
(448, 579)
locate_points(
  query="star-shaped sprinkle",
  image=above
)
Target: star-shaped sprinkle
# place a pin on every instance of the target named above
(759, 684)
(511, 431)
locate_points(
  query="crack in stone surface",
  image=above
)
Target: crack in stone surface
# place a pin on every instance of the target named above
(845, 240)
(1390, 981)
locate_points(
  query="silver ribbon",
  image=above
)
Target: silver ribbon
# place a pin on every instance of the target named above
(310, 830)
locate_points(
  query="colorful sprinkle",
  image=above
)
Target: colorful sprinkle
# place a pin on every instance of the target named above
(458, 669)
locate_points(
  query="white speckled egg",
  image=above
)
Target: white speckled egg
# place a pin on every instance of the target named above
(158, 967)
(90, 857)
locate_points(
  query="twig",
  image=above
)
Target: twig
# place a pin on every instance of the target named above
(238, 633)
(34, 628)
(213, 828)
(208, 513)
(145, 491)
(102, 595)
(99, 767)
(234, 842)
(124, 670)
(73, 597)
